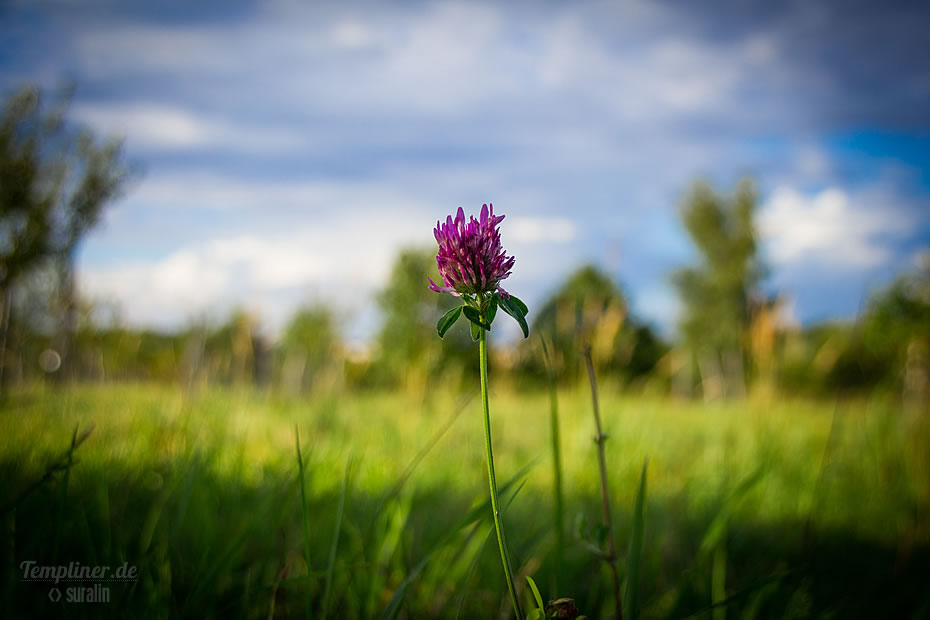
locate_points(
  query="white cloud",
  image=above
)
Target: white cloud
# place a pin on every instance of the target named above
(352, 34)
(167, 127)
(831, 228)
(151, 125)
(344, 259)
(541, 229)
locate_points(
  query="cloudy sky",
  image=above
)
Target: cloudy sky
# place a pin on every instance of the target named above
(290, 148)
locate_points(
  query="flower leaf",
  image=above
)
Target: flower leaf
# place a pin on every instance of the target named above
(492, 311)
(519, 304)
(475, 317)
(475, 332)
(515, 311)
(448, 320)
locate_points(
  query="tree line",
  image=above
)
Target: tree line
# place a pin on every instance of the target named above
(56, 179)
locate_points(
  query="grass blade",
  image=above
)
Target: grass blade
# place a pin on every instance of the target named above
(718, 581)
(412, 466)
(556, 447)
(63, 496)
(332, 550)
(477, 513)
(756, 587)
(536, 594)
(634, 556)
(305, 517)
(474, 562)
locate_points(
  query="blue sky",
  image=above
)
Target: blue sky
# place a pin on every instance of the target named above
(289, 149)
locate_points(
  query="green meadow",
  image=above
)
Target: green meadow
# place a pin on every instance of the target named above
(753, 509)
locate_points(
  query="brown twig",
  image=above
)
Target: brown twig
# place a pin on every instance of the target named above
(66, 461)
(611, 556)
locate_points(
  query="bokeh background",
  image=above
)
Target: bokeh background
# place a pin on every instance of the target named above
(217, 225)
(290, 149)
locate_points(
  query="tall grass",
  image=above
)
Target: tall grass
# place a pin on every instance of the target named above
(558, 500)
(202, 493)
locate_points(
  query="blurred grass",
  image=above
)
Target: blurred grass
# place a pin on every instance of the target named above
(825, 506)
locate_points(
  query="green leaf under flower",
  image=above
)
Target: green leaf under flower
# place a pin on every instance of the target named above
(516, 310)
(492, 312)
(448, 320)
(519, 304)
(475, 317)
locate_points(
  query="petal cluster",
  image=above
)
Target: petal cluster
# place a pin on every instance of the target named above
(471, 259)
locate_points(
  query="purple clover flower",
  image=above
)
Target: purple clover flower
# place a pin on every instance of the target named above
(472, 264)
(471, 260)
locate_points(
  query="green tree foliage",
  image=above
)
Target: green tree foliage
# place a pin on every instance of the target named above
(408, 350)
(55, 180)
(716, 292)
(896, 330)
(886, 349)
(589, 309)
(24, 211)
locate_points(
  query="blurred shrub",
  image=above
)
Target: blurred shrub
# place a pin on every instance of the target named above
(408, 351)
(885, 350)
(589, 309)
(896, 331)
(309, 354)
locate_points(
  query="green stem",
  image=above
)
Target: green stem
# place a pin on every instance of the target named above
(611, 556)
(492, 481)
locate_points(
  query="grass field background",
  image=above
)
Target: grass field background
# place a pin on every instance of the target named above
(754, 509)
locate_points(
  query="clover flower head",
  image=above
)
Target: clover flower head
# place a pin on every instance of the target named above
(470, 259)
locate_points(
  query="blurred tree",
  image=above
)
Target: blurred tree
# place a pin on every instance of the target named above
(887, 348)
(716, 292)
(54, 182)
(409, 351)
(896, 329)
(590, 309)
(310, 349)
(103, 347)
